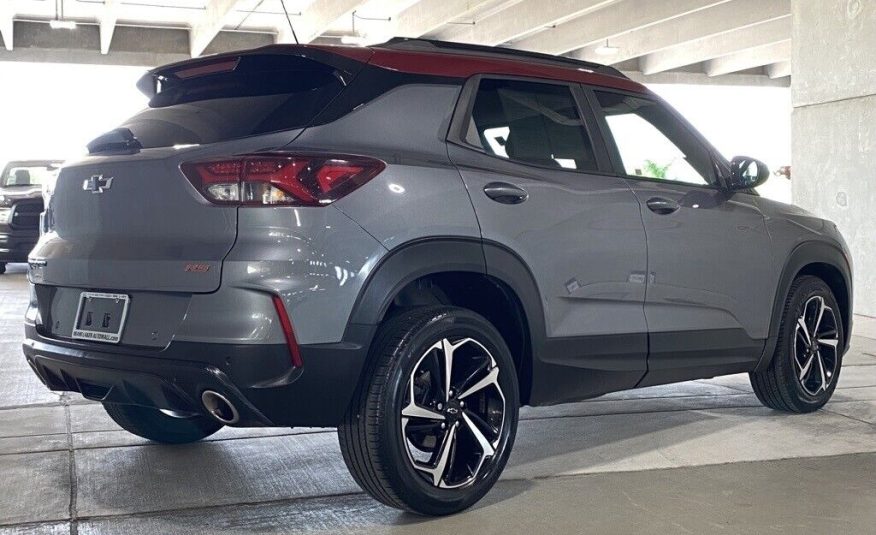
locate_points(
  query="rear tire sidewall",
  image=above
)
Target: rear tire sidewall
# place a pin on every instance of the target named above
(152, 424)
(430, 499)
(804, 401)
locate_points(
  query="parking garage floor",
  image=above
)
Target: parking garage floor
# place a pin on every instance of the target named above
(699, 457)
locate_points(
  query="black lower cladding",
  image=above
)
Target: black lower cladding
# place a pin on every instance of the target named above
(259, 379)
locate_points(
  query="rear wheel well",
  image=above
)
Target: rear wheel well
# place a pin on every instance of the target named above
(834, 279)
(489, 297)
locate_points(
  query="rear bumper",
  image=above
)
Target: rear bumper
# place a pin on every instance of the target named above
(258, 379)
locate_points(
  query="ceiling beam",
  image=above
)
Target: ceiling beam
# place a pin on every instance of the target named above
(316, 19)
(716, 46)
(749, 59)
(37, 42)
(428, 15)
(210, 23)
(6, 24)
(616, 19)
(520, 20)
(107, 20)
(700, 78)
(698, 25)
(779, 70)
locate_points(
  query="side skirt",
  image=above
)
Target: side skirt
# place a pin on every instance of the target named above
(683, 356)
(574, 369)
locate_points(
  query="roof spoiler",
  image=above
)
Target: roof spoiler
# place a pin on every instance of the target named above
(348, 60)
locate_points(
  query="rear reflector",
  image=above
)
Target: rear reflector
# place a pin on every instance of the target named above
(291, 342)
(280, 179)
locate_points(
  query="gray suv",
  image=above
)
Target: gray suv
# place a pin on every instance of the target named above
(409, 242)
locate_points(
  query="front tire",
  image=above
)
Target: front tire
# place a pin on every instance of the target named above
(157, 426)
(805, 368)
(432, 425)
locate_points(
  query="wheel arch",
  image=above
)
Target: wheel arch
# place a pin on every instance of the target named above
(454, 271)
(825, 261)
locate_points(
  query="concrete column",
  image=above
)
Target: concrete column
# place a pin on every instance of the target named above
(833, 87)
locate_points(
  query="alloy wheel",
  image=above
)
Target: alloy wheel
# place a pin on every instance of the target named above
(816, 341)
(454, 412)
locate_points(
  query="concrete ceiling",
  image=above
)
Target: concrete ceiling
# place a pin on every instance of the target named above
(693, 41)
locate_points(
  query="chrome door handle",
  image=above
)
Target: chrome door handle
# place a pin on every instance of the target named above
(662, 206)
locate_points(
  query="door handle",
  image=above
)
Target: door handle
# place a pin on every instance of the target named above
(662, 206)
(505, 193)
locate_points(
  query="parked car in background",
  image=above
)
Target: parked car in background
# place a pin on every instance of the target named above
(21, 203)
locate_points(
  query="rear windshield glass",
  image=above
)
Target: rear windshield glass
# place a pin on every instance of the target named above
(262, 94)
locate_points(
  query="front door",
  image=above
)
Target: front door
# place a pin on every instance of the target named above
(542, 189)
(709, 291)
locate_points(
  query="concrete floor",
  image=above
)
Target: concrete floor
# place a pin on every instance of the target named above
(699, 457)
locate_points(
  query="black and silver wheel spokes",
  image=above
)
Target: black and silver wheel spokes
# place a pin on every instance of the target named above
(454, 412)
(816, 341)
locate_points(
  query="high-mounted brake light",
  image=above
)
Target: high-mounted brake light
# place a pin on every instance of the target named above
(212, 67)
(280, 179)
(291, 342)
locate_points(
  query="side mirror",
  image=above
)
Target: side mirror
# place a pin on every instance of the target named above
(746, 173)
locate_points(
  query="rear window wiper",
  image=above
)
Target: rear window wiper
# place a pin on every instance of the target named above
(118, 140)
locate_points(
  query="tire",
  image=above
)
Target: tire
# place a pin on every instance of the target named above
(157, 426)
(377, 439)
(794, 381)
(2, 268)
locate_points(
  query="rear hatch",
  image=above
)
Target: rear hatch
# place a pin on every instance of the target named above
(126, 217)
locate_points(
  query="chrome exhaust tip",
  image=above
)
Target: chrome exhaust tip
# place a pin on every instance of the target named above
(219, 407)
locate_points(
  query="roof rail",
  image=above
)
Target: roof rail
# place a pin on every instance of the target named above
(414, 43)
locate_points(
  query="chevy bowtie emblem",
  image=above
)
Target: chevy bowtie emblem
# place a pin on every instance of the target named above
(97, 183)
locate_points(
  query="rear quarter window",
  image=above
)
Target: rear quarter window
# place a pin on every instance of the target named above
(262, 94)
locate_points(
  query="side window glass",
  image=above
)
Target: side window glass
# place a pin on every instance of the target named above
(653, 143)
(532, 123)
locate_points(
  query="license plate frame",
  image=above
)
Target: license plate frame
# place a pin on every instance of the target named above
(111, 337)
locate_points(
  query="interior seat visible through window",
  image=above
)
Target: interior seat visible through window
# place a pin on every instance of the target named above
(530, 122)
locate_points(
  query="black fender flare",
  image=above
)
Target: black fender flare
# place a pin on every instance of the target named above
(804, 254)
(418, 258)
(409, 262)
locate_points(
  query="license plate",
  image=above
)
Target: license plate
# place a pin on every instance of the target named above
(101, 317)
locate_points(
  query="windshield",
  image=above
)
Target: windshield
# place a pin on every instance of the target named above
(28, 175)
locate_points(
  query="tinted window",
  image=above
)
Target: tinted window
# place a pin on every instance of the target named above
(532, 123)
(261, 94)
(654, 144)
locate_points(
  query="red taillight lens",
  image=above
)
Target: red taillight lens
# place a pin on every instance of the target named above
(291, 342)
(280, 179)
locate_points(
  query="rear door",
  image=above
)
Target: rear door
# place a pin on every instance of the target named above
(536, 176)
(709, 263)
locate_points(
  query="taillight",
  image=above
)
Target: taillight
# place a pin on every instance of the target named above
(280, 179)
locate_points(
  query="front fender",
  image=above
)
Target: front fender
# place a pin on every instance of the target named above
(803, 255)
